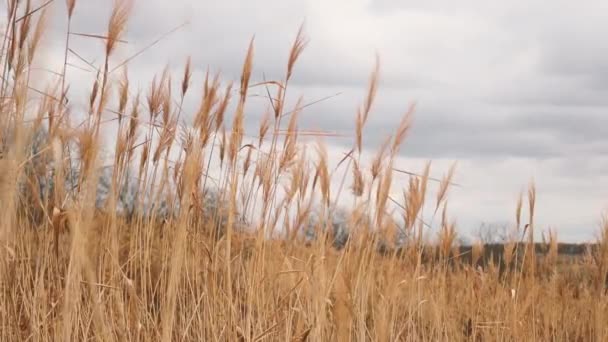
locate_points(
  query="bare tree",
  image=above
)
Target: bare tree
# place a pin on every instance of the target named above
(492, 233)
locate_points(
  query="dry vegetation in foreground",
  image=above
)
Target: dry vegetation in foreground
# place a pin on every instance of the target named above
(185, 265)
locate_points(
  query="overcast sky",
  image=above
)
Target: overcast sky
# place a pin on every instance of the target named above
(511, 90)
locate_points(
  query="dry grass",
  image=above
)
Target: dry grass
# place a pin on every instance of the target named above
(262, 257)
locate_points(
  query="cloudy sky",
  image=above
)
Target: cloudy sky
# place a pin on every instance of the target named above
(511, 90)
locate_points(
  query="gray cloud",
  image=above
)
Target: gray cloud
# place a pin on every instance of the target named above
(512, 90)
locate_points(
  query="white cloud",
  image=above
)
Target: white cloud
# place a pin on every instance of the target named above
(511, 90)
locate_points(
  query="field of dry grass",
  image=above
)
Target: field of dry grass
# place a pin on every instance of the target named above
(146, 249)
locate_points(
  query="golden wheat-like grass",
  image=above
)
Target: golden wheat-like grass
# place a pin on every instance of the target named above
(243, 266)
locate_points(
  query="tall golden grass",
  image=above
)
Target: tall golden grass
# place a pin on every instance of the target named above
(260, 258)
